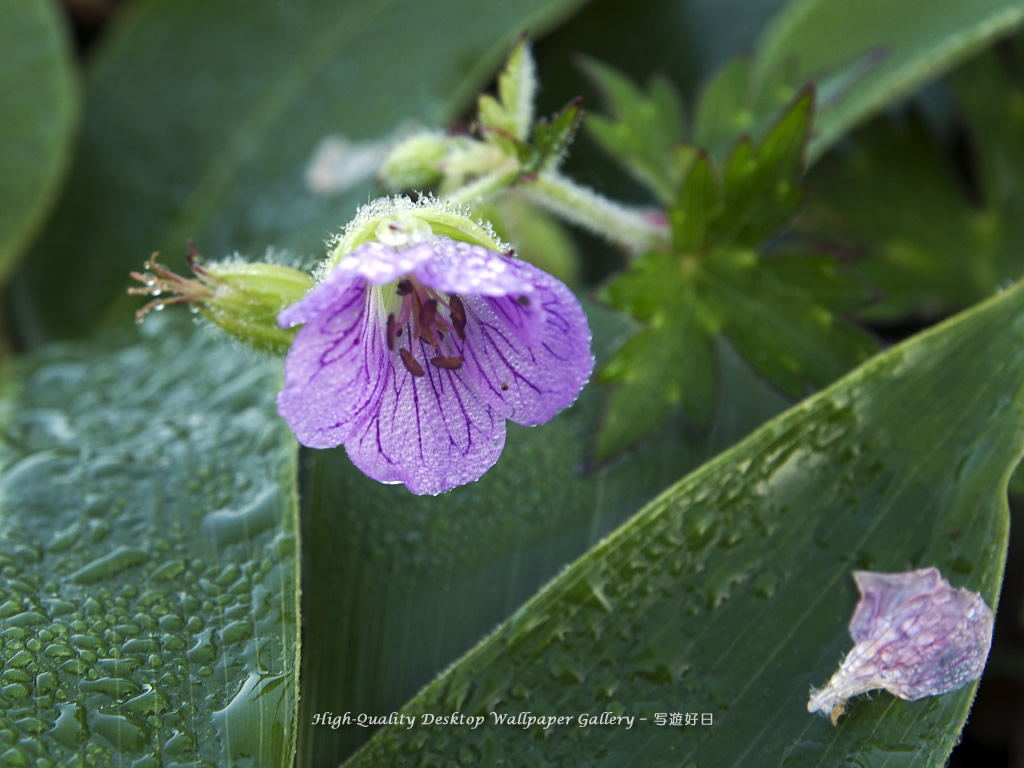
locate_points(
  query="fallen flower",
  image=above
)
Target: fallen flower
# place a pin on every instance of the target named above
(915, 636)
(414, 353)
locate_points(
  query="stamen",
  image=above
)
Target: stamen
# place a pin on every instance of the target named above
(458, 316)
(428, 316)
(410, 363)
(194, 259)
(417, 307)
(404, 287)
(391, 331)
(451, 363)
(428, 312)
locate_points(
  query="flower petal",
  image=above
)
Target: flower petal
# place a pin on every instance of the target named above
(915, 636)
(462, 268)
(528, 361)
(429, 432)
(379, 264)
(882, 594)
(334, 369)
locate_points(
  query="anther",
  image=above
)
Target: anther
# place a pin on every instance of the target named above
(404, 287)
(391, 331)
(523, 301)
(451, 363)
(410, 363)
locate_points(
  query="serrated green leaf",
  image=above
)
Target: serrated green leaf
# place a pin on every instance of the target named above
(696, 208)
(148, 516)
(790, 336)
(723, 113)
(645, 129)
(38, 110)
(552, 139)
(784, 324)
(731, 594)
(669, 364)
(511, 115)
(871, 53)
(762, 183)
(203, 119)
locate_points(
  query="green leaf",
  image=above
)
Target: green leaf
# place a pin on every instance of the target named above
(551, 140)
(868, 54)
(38, 91)
(670, 363)
(732, 592)
(720, 279)
(203, 118)
(731, 107)
(643, 131)
(148, 515)
(790, 335)
(402, 585)
(696, 207)
(931, 242)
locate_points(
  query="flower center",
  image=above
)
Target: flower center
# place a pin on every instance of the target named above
(422, 317)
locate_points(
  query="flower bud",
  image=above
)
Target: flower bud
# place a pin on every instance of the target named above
(241, 298)
(415, 163)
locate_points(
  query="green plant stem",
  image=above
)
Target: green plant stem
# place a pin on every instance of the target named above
(584, 207)
(487, 186)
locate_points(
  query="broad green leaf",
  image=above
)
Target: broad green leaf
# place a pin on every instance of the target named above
(893, 198)
(203, 120)
(867, 54)
(930, 241)
(148, 542)
(401, 585)
(38, 110)
(720, 278)
(731, 593)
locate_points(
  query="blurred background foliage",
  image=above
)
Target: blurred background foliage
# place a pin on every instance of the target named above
(169, 120)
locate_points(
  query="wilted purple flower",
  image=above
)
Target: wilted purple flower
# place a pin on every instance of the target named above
(915, 636)
(412, 357)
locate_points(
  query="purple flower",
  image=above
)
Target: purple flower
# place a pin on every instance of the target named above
(915, 636)
(413, 356)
